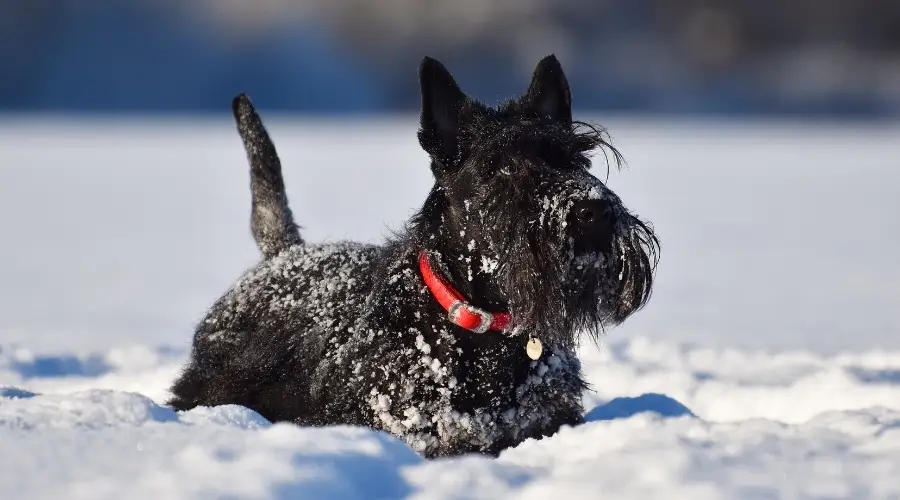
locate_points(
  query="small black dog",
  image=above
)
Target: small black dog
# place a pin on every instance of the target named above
(460, 333)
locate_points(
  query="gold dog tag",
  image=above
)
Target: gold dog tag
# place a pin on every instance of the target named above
(534, 348)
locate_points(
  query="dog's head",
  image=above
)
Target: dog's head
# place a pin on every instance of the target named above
(514, 196)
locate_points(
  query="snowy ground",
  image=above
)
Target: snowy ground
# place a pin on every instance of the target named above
(767, 364)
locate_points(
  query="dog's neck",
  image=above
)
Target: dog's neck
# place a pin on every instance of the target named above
(461, 312)
(467, 267)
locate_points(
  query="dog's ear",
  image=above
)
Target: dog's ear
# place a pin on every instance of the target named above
(548, 95)
(442, 102)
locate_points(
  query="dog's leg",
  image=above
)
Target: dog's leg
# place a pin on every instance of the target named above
(271, 220)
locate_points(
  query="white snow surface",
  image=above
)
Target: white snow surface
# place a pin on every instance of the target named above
(767, 364)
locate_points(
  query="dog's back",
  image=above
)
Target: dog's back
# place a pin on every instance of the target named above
(263, 344)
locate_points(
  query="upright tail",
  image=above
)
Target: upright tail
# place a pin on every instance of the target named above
(271, 220)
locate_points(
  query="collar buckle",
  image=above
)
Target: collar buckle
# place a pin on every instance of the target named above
(486, 318)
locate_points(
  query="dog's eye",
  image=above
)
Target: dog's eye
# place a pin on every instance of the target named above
(585, 215)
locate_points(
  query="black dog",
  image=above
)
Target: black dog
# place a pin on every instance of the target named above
(460, 333)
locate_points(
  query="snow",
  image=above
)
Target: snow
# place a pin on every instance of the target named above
(767, 364)
(796, 425)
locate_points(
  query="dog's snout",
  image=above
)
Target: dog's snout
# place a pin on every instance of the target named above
(593, 222)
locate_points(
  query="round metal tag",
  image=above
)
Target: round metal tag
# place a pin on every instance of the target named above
(534, 348)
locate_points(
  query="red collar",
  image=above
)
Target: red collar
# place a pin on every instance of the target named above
(460, 312)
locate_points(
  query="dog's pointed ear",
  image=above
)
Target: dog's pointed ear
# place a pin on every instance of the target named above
(549, 95)
(442, 101)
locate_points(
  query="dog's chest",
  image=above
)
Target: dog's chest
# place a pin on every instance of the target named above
(449, 398)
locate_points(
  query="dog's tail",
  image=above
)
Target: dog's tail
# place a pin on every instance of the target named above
(271, 220)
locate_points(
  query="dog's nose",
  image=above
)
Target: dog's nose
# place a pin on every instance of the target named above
(593, 221)
(593, 214)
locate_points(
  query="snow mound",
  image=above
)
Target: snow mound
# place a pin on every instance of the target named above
(141, 369)
(102, 444)
(106, 444)
(94, 409)
(664, 420)
(659, 404)
(733, 385)
(98, 409)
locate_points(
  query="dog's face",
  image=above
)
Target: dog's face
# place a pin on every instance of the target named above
(562, 248)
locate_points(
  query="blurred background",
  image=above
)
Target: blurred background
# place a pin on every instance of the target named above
(761, 138)
(835, 58)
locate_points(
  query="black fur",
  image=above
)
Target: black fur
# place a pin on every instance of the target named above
(347, 333)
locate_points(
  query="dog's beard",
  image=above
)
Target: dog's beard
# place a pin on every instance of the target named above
(607, 288)
(555, 294)
(636, 252)
(533, 275)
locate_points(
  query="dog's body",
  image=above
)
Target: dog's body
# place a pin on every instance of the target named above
(351, 334)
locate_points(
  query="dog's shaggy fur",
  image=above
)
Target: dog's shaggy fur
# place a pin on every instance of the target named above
(348, 333)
